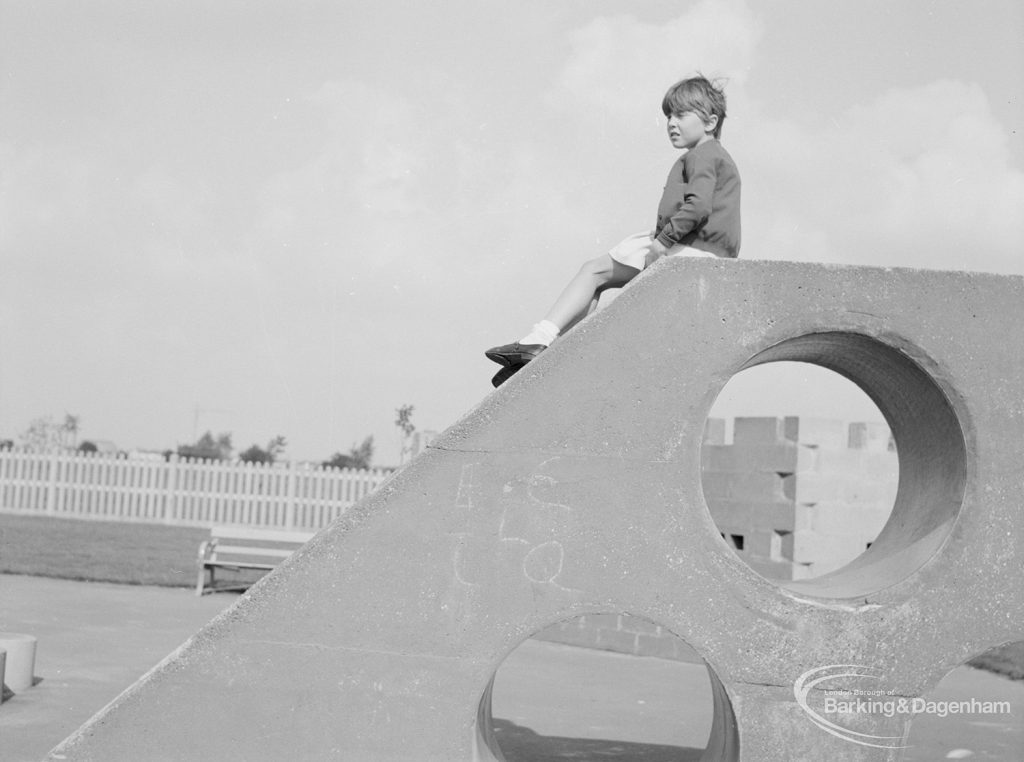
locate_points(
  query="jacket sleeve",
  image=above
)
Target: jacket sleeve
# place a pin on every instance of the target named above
(696, 206)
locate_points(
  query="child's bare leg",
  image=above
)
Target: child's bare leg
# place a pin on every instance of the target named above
(572, 305)
(580, 296)
(591, 308)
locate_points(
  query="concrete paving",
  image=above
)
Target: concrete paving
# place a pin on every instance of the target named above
(94, 640)
(551, 702)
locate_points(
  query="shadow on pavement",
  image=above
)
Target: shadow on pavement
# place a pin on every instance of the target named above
(520, 744)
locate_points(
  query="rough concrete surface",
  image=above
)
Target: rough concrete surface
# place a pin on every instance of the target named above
(552, 703)
(575, 489)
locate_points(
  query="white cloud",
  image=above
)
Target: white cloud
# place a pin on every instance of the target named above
(306, 195)
(7, 193)
(617, 62)
(76, 219)
(48, 187)
(918, 177)
(169, 203)
(421, 191)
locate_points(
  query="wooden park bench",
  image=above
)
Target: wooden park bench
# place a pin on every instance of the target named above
(239, 548)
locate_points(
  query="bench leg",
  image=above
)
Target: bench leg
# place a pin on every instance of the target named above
(201, 583)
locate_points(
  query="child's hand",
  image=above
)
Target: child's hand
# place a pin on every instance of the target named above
(655, 252)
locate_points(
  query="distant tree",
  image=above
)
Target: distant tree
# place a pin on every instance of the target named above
(277, 446)
(257, 454)
(362, 456)
(6, 444)
(338, 460)
(88, 446)
(405, 431)
(70, 430)
(208, 448)
(44, 433)
(357, 457)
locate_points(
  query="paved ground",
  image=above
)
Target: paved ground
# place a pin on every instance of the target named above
(551, 702)
(95, 640)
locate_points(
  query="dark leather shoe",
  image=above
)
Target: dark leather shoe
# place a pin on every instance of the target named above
(514, 354)
(504, 375)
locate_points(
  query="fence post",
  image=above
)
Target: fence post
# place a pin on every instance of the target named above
(51, 482)
(171, 504)
(292, 484)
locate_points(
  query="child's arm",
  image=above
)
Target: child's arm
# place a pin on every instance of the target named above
(702, 173)
(655, 251)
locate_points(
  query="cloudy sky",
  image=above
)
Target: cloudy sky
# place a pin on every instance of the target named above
(292, 217)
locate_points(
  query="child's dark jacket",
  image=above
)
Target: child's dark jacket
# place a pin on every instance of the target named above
(701, 203)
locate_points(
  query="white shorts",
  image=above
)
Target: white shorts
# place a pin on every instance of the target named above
(633, 250)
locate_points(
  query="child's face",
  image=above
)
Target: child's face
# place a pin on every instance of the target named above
(687, 129)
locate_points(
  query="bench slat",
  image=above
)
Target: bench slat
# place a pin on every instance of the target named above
(270, 535)
(239, 550)
(240, 566)
(226, 548)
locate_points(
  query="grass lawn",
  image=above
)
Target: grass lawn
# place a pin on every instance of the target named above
(154, 554)
(102, 551)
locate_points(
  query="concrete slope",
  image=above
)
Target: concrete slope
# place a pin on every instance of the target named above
(575, 488)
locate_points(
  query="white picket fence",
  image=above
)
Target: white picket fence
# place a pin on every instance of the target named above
(179, 491)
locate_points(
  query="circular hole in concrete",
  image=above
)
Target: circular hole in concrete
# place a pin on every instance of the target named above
(605, 686)
(799, 469)
(866, 518)
(974, 712)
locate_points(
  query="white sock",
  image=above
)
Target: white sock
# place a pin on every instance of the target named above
(543, 332)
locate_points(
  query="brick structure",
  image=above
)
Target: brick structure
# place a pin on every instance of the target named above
(800, 497)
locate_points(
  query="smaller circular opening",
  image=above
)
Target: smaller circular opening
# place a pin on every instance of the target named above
(932, 464)
(604, 686)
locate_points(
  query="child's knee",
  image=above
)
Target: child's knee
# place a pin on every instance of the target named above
(599, 268)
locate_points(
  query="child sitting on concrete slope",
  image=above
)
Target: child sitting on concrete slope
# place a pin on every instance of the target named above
(699, 215)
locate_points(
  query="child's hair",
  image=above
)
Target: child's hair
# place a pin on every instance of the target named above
(699, 95)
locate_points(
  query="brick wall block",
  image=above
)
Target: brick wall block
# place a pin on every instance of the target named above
(617, 640)
(637, 625)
